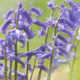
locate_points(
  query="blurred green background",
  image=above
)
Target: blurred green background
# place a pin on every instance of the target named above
(62, 72)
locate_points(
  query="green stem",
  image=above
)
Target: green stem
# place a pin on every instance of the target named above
(5, 70)
(46, 37)
(51, 59)
(10, 70)
(33, 70)
(39, 74)
(73, 62)
(15, 76)
(40, 71)
(27, 45)
(15, 61)
(52, 56)
(27, 64)
(50, 66)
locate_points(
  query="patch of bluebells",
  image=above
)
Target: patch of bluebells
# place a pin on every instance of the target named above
(67, 23)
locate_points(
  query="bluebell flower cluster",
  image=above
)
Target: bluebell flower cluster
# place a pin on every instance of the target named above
(17, 28)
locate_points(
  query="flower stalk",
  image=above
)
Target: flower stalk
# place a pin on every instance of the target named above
(51, 59)
(10, 73)
(73, 62)
(15, 61)
(27, 66)
(16, 50)
(40, 71)
(5, 70)
(33, 70)
(46, 37)
(52, 55)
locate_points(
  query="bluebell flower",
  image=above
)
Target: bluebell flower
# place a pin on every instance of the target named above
(2, 46)
(13, 25)
(62, 38)
(21, 76)
(23, 42)
(21, 37)
(37, 11)
(41, 24)
(19, 5)
(63, 10)
(44, 47)
(27, 16)
(50, 4)
(2, 76)
(46, 55)
(41, 48)
(17, 35)
(31, 53)
(13, 36)
(60, 43)
(64, 51)
(69, 33)
(12, 57)
(72, 4)
(43, 68)
(70, 47)
(28, 32)
(42, 56)
(51, 22)
(72, 15)
(1, 57)
(42, 32)
(63, 61)
(5, 26)
(2, 67)
(75, 19)
(9, 13)
(9, 43)
(61, 53)
(30, 67)
(49, 48)
(2, 42)
(70, 23)
(55, 63)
